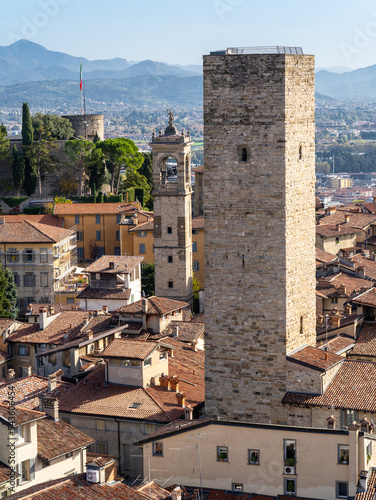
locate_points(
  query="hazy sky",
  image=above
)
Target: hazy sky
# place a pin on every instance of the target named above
(338, 33)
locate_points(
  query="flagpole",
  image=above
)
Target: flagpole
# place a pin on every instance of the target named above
(81, 85)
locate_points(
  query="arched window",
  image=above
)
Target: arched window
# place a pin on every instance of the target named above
(244, 154)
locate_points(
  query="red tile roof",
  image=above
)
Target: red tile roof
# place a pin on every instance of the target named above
(5, 323)
(77, 488)
(50, 220)
(329, 231)
(369, 494)
(353, 388)
(153, 490)
(130, 349)
(366, 342)
(338, 344)
(367, 298)
(357, 220)
(4, 356)
(62, 209)
(5, 473)
(105, 293)
(198, 222)
(368, 264)
(31, 232)
(315, 358)
(156, 305)
(146, 226)
(27, 390)
(186, 331)
(330, 284)
(325, 257)
(122, 264)
(59, 438)
(21, 414)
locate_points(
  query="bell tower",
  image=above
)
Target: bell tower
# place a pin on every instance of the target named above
(172, 194)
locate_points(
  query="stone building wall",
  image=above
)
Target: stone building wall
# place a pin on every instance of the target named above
(259, 229)
(93, 124)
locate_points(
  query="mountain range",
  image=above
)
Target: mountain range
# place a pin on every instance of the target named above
(32, 72)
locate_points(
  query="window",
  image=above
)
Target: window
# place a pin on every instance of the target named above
(348, 417)
(141, 234)
(194, 231)
(222, 454)
(195, 265)
(16, 279)
(117, 235)
(116, 250)
(29, 279)
(158, 449)
(337, 241)
(29, 255)
(12, 255)
(254, 457)
(169, 230)
(334, 300)
(97, 219)
(68, 455)
(43, 255)
(102, 447)
(135, 405)
(115, 362)
(76, 219)
(290, 486)
(43, 279)
(237, 487)
(147, 362)
(135, 363)
(23, 350)
(162, 356)
(343, 454)
(170, 284)
(194, 246)
(141, 248)
(98, 235)
(289, 452)
(70, 300)
(45, 463)
(79, 235)
(25, 471)
(80, 253)
(118, 218)
(369, 451)
(244, 154)
(66, 358)
(100, 251)
(149, 428)
(169, 259)
(101, 425)
(342, 489)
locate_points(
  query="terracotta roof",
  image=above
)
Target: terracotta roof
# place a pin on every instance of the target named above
(5, 472)
(156, 305)
(131, 349)
(28, 389)
(21, 416)
(33, 308)
(365, 344)
(92, 208)
(328, 231)
(339, 344)
(357, 220)
(99, 460)
(4, 356)
(344, 321)
(158, 404)
(198, 318)
(153, 490)
(367, 298)
(330, 284)
(371, 207)
(315, 358)
(321, 294)
(66, 322)
(368, 264)
(5, 323)
(122, 264)
(50, 220)
(325, 257)
(77, 488)
(105, 293)
(353, 388)
(31, 232)
(146, 226)
(187, 331)
(369, 494)
(59, 438)
(198, 222)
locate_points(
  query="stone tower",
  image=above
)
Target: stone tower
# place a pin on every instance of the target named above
(172, 194)
(259, 123)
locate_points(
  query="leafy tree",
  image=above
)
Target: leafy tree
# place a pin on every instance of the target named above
(135, 179)
(31, 175)
(39, 153)
(146, 168)
(322, 167)
(18, 167)
(79, 151)
(4, 143)
(196, 297)
(58, 128)
(120, 153)
(96, 168)
(147, 280)
(8, 294)
(68, 185)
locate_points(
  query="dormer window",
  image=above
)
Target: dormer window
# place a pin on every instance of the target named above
(135, 405)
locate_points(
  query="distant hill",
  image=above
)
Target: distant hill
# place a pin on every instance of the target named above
(357, 85)
(26, 61)
(335, 69)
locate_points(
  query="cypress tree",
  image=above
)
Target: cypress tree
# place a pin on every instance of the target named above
(31, 175)
(8, 294)
(18, 167)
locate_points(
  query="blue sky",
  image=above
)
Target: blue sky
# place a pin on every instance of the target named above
(338, 33)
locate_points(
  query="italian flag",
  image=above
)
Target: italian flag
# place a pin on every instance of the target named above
(80, 76)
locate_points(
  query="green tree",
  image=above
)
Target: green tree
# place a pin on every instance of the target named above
(31, 176)
(79, 151)
(96, 168)
(147, 280)
(135, 179)
(322, 167)
(196, 297)
(8, 294)
(18, 168)
(120, 153)
(4, 143)
(146, 168)
(58, 128)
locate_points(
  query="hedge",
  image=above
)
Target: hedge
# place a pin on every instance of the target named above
(32, 210)
(14, 201)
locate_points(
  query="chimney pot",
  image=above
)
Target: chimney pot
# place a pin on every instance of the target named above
(180, 396)
(52, 382)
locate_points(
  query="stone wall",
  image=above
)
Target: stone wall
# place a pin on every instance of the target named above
(259, 229)
(92, 123)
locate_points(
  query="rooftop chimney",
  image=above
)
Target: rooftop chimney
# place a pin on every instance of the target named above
(164, 381)
(180, 396)
(175, 331)
(51, 310)
(338, 227)
(348, 309)
(26, 370)
(42, 318)
(145, 305)
(105, 309)
(347, 217)
(176, 493)
(360, 272)
(52, 382)
(174, 384)
(331, 422)
(50, 406)
(335, 321)
(11, 375)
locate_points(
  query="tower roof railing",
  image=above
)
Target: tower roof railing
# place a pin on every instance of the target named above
(260, 50)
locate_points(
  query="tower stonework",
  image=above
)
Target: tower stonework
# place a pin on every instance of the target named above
(172, 194)
(259, 126)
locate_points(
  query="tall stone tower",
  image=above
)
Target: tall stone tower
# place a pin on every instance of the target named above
(259, 123)
(172, 194)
